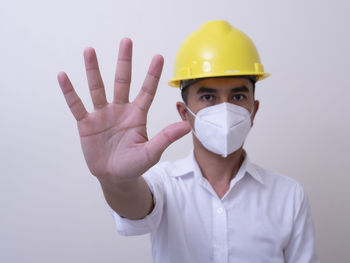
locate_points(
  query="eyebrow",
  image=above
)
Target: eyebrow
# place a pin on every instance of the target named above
(240, 89)
(206, 90)
(212, 90)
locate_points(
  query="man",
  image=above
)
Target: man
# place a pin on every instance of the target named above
(214, 205)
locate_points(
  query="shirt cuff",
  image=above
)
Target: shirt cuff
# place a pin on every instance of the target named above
(132, 227)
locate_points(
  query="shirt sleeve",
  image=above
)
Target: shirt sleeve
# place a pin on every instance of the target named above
(301, 246)
(148, 224)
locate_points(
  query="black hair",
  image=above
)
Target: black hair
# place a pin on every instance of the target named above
(185, 84)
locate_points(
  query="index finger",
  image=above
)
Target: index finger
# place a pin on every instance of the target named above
(145, 97)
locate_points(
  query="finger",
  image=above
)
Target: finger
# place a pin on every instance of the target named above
(96, 86)
(72, 99)
(122, 77)
(157, 145)
(145, 97)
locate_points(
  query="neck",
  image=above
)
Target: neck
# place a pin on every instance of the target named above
(219, 171)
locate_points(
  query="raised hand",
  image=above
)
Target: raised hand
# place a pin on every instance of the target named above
(114, 136)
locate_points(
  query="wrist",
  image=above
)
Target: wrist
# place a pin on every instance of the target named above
(119, 186)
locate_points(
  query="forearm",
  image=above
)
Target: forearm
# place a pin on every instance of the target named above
(131, 199)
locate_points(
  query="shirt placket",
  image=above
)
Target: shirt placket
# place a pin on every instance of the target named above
(220, 236)
(220, 246)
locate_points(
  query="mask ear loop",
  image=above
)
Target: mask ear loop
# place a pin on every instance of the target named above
(194, 115)
(251, 114)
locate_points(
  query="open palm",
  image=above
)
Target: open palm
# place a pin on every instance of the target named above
(114, 136)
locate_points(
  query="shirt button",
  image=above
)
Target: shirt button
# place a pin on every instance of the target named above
(220, 210)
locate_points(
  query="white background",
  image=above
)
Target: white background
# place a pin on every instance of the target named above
(52, 209)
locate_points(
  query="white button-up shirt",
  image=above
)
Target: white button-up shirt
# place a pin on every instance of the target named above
(263, 217)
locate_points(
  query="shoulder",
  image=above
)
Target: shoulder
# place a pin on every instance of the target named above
(164, 171)
(280, 183)
(283, 193)
(274, 177)
(173, 168)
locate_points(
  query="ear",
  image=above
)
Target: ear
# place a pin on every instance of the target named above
(182, 110)
(255, 110)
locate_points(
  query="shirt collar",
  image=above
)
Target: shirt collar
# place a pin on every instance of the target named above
(184, 166)
(189, 165)
(249, 168)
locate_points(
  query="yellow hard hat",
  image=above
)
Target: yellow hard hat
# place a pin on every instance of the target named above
(216, 49)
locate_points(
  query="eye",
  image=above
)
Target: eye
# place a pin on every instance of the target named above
(238, 97)
(207, 97)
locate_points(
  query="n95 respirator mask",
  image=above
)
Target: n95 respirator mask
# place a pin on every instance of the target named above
(222, 128)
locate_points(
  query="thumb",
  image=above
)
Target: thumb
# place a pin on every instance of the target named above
(157, 145)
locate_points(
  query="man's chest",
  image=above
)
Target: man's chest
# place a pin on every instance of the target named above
(253, 225)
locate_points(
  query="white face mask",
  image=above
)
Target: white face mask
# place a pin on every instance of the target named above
(222, 128)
